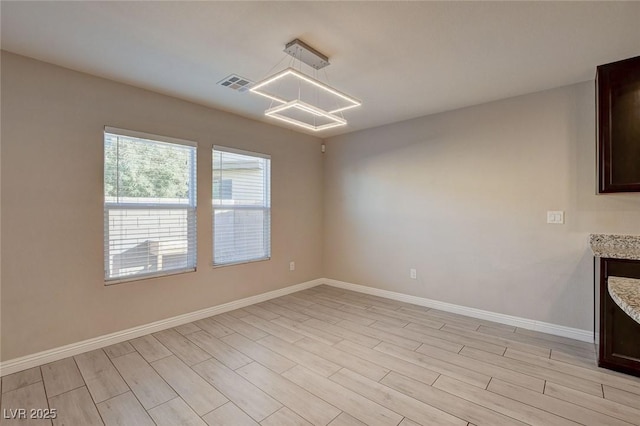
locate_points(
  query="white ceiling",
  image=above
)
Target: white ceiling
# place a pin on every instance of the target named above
(402, 59)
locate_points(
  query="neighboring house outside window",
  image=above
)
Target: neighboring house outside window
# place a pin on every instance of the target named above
(149, 205)
(222, 189)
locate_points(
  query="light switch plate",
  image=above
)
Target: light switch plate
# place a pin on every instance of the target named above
(555, 217)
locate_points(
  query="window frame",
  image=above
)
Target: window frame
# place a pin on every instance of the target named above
(267, 186)
(190, 208)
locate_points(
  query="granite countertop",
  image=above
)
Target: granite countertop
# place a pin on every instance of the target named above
(615, 246)
(626, 293)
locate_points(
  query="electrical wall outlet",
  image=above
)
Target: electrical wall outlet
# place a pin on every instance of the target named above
(413, 274)
(555, 217)
(292, 266)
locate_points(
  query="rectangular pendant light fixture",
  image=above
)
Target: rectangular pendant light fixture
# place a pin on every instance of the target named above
(268, 89)
(304, 100)
(312, 113)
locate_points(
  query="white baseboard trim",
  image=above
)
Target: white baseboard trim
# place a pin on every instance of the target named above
(55, 354)
(18, 364)
(545, 327)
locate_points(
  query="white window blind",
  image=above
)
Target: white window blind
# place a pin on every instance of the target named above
(149, 205)
(241, 206)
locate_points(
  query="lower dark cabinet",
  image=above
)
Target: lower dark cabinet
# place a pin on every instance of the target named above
(619, 334)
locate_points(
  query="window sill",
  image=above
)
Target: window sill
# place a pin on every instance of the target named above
(108, 283)
(244, 262)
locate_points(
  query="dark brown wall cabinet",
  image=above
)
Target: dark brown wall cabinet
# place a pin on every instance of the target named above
(618, 120)
(619, 340)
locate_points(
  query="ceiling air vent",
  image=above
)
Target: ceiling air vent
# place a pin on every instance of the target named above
(236, 82)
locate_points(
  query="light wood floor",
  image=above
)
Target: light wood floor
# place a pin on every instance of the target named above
(326, 356)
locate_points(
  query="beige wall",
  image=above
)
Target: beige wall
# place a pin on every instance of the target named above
(462, 197)
(52, 216)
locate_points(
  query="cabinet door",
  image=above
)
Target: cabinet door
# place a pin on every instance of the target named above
(619, 346)
(618, 110)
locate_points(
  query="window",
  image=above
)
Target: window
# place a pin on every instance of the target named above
(241, 206)
(149, 205)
